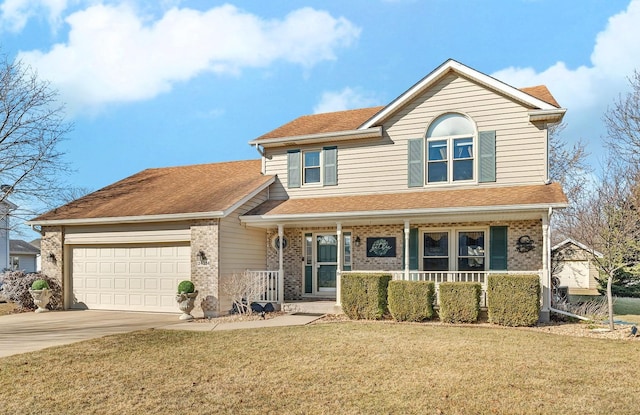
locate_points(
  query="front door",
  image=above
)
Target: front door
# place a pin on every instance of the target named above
(326, 263)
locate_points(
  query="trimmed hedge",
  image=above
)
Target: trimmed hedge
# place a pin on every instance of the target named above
(513, 300)
(364, 296)
(411, 300)
(459, 302)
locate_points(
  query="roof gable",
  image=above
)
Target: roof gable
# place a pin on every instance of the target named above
(526, 98)
(18, 246)
(204, 188)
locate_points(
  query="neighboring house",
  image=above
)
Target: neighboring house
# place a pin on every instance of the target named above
(448, 182)
(576, 270)
(36, 244)
(23, 255)
(5, 226)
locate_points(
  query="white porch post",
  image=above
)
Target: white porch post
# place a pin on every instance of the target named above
(546, 269)
(339, 259)
(406, 250)
(280, 265)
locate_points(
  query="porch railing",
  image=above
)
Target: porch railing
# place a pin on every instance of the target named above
(264, 286)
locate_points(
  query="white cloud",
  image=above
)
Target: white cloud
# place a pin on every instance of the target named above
(586, 91)
(14, 14)
(344, 100)
(114, 54)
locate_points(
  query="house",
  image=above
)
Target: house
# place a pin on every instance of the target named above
(23, 256)
(36, 244)
(5, 226)
(576, 269)
(448, 182)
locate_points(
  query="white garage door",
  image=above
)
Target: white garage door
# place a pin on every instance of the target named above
(135, 278)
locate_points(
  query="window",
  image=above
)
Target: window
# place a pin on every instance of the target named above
(347, 252)
(14, 262)
(311, 167)
(466, 252)
(450, 149)
(436, 251)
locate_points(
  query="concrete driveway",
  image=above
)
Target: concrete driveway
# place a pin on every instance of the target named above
(26, 332)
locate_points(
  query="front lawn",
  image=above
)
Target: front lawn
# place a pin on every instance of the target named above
(6, 308)
(336, 368)
(627, 309)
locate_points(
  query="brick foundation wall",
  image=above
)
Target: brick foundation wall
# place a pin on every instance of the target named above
(52, 243)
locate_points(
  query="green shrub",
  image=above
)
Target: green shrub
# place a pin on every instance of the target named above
(16, 285)
(186, 287)
(411, 300)
(459, 302)
(364, 296)
(40, 285)
(513, 300)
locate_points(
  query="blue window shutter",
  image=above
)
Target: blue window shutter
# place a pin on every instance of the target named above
(293, 169)
(416, 162)
(498, 247)
(487, 155)
(330, 161)
(413, 249)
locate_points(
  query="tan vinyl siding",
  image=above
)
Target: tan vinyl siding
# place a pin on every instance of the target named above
(242, 247)
(380, 165)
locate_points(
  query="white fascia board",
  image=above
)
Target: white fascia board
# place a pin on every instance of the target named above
(129, 219)
(468, 72)
(248, 197)
(320, 137)
(554, 115)
(398, 213)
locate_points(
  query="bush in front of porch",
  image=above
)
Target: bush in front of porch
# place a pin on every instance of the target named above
(459, 302)
(364, 296)
(513, 300)
(411, 300)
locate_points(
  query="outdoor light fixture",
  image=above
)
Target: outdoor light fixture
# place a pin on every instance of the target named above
(357, 241)
(202, 258)
(51, 257)
(524, 244)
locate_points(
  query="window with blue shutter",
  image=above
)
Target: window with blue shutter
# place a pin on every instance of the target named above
(293, 169)
(487, 156)
(416, 162)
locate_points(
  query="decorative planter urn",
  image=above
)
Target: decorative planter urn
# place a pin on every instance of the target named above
(186, 302)
(41, 299)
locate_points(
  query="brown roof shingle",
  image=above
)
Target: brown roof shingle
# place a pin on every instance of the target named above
(329, 122)
(170, 190)
(542, 93)
(426, 199)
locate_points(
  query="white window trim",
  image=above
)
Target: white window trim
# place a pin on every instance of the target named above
(453, 244)
(321, 167)
(450, 139)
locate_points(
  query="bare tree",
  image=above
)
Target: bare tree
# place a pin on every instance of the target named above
(622, 120)
(608, 221)
(567, 166)
(242, 289)
(31, 127)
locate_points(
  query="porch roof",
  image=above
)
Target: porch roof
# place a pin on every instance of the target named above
(426, 202)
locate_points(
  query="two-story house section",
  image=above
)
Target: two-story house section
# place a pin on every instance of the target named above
(448, 182)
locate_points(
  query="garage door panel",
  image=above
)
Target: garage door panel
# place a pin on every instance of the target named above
(139, 278)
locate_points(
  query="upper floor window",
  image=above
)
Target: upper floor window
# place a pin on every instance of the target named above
(450, 149)
(452, 152)
(312, 167)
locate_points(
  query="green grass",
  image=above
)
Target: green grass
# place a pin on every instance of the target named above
(339, 368)
(627, 309)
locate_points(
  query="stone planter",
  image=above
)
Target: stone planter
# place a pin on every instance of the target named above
(186, 302)
(41, 299)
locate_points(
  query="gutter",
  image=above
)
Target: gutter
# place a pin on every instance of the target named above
(373, 132)
(566, 313)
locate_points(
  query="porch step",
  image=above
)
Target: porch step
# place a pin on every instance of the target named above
(312, 307)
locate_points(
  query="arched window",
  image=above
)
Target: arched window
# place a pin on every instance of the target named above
(451, 149)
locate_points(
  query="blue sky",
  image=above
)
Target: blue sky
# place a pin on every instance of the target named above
(161, 83)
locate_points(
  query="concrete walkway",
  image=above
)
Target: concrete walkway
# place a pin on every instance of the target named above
(27, 332)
